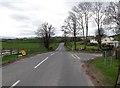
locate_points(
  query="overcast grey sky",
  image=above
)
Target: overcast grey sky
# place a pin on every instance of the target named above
(21, 18)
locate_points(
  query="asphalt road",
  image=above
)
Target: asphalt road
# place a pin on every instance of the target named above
(58, 68)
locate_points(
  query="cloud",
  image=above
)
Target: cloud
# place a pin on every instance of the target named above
(10, 5)
(22, 17)
(26, 32)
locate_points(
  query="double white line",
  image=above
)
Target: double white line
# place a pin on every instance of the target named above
(41, 62)
(75, 56)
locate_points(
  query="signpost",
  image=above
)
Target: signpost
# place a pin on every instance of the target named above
(104, 55)
(110, 57)
(23, 52)
(107, 53)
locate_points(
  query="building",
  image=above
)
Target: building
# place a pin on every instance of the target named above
(106, 40)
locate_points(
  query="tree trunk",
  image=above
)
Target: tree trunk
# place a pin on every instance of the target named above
(86, 27)
(99, 34)
(74, 38)
(86, 21)
(74, 26)
(46, 41)
(65, 39)
(99, 43)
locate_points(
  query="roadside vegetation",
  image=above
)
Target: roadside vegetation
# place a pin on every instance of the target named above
(109, 72)
(117, 37)
(80, 47)
(31, 46)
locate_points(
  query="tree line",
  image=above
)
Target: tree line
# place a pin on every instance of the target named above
(106, 16)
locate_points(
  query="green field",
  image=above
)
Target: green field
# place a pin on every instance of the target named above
(7, 45)
(20, 44)
(109, 71)
(31, 47)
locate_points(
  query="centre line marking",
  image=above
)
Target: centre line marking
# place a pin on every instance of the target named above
(15, 84)
(73, 56)
(41, 62)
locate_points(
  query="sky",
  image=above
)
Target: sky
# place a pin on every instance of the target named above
(21, 18)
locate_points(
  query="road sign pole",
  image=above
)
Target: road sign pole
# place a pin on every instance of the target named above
(105, 59)
(110, 57)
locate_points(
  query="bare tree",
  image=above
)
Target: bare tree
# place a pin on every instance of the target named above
(113, 16)
(80, 20)
(45, 31)
(101, 33)
(98, 11)
(65, 34)
(83, 11)
(71, 26)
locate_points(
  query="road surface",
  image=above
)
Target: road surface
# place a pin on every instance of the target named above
(58, 68)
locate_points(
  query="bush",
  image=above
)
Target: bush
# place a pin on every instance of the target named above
(107, 47)
(92, 44)
(51, 48)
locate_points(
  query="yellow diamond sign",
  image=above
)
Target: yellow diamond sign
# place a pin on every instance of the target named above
(23, 52)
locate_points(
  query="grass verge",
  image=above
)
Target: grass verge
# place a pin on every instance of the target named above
(109, 72)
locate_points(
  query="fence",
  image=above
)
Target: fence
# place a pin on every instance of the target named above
(4, 52)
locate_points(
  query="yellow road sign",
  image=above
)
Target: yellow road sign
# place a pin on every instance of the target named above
(23, 52)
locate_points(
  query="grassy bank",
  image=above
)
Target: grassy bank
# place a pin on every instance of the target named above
(109, 72)
(31, 48)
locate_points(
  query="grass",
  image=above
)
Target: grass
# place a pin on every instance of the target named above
(9, 58)
(80, 45)
(20, 45)
(109, 71)
(54, 45)
(30, 47)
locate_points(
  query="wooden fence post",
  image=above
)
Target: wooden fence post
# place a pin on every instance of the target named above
(18, 51)
(10, 51)
(3, 51)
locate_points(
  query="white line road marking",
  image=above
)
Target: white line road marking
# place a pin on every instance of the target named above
(15, 84)
(52, 54)
(77, 56)
(73, 56)
(41, 62)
